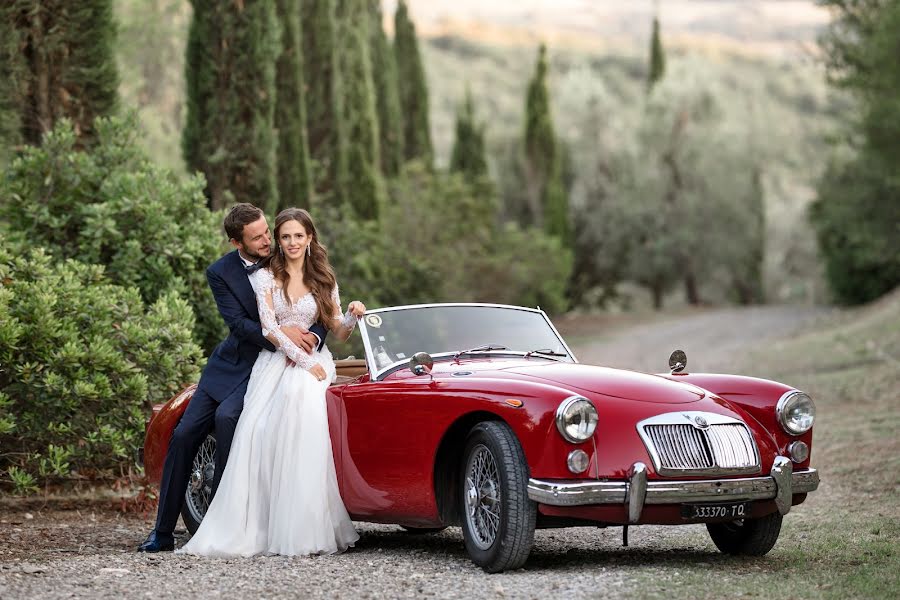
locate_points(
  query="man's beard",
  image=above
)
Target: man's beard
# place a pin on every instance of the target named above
(256, 257)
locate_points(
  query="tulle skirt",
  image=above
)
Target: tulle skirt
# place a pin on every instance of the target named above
(279, 492)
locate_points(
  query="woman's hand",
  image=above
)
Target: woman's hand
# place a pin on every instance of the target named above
(357, 308)
(318, 371)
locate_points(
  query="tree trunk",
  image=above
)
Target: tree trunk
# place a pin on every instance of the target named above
(691, 292)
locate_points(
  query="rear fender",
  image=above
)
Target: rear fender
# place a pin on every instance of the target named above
(159, 432)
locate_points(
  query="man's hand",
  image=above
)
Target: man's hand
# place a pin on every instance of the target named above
(302, 338)
(318, 372)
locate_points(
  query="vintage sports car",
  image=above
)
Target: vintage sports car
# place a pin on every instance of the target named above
(480, 416)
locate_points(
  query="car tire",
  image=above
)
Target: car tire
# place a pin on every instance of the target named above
(748, 537)
(422, 530)
(199, 488)
(498, 518)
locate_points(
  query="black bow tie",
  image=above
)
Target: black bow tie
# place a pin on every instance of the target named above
(251, 269)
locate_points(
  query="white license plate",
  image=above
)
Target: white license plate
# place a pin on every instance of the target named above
(706, 512)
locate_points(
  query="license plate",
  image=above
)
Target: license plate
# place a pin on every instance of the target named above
(707, 512)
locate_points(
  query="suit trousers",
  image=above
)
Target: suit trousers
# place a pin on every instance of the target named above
(202, 415)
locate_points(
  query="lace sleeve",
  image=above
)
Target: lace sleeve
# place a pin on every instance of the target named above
(347, 319)
(264, 285)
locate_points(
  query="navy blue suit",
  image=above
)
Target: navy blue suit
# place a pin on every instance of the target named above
(219, 398)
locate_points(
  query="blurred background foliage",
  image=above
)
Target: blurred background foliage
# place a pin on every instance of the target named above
(439, 168)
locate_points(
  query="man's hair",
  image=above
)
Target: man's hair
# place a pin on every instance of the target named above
(240, 215)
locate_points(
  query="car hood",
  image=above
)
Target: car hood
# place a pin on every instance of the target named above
(618, 383)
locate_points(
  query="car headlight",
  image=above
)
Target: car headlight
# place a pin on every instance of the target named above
(796, 412)
(576, 419)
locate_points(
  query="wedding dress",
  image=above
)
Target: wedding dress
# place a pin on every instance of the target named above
(279, 492)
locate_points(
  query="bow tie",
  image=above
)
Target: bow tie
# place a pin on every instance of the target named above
(251, 269)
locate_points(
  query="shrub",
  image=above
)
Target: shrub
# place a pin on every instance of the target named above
(81, 362)
(110, 206)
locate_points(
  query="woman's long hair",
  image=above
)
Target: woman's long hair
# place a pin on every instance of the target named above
(318, 276)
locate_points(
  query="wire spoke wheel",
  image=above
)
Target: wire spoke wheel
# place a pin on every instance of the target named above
(497, 517)
(199, 490)
(483, 497)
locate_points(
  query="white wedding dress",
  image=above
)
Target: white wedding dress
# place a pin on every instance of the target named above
(279, 492)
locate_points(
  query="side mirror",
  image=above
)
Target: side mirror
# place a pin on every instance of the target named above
(678, 361)
(421, 363)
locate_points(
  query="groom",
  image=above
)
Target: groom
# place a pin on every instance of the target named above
(219, 397)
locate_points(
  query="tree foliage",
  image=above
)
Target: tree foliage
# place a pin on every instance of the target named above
(60, 57)
(294, 175)
(413, 88)
(468, 156)
(361, 186)
(111, 207)
(83, 361)
(657, 57)
(230, 72)
(324, 95)
(547, 198)
(387, 98)
(857, 212)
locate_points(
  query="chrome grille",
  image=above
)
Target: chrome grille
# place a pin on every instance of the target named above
(680, 448)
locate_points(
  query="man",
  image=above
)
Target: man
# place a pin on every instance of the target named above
(219, 397)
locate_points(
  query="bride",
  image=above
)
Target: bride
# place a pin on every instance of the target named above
(279, 492)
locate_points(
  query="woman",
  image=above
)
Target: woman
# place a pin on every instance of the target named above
(279, 492)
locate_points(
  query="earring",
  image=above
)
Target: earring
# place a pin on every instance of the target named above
(309, 249)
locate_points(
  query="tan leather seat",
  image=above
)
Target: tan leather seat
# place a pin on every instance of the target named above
(349, 369)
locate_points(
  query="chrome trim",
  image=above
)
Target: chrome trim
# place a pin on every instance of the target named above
(779, 411)
(636, 493)
(702, 423)
(587, 492)
(377, 374)
(561, 415)
(782, 470)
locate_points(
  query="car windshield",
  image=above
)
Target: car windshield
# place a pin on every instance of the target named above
(394, 335)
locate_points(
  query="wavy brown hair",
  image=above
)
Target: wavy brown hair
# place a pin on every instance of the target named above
(318, 276)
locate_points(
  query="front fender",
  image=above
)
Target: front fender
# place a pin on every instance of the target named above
(757, 397)
(159, 432)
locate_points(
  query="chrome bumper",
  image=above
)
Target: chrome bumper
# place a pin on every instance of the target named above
(779, 485)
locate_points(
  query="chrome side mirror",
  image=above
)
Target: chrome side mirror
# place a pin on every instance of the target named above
(678, 361)
(421, 363)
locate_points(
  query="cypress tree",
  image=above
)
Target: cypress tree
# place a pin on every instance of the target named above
(64, 66)
(412, 87)
(12, 69)
(323, 95)
(468, 156)
(361, 185)
(387, 99)
(546, 192)
(657, 57)
(294, 178)
(230, 71)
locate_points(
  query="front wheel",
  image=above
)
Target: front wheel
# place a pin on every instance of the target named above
(498, 518)
(199, 489)
(748, 537)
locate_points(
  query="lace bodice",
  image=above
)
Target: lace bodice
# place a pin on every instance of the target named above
(275, 311)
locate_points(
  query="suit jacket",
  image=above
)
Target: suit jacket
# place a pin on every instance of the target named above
(230, 364)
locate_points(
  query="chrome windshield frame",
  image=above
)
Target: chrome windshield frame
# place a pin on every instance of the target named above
(377, 374)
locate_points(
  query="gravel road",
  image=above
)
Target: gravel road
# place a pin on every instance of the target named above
(46, 552)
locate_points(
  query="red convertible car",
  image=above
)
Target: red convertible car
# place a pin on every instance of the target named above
(480, 416)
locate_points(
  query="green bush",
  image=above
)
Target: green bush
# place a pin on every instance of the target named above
(110, 206)
(857, 220)
(81, 363)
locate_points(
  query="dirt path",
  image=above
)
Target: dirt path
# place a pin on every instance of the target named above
(714, 340)
(52, 553)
